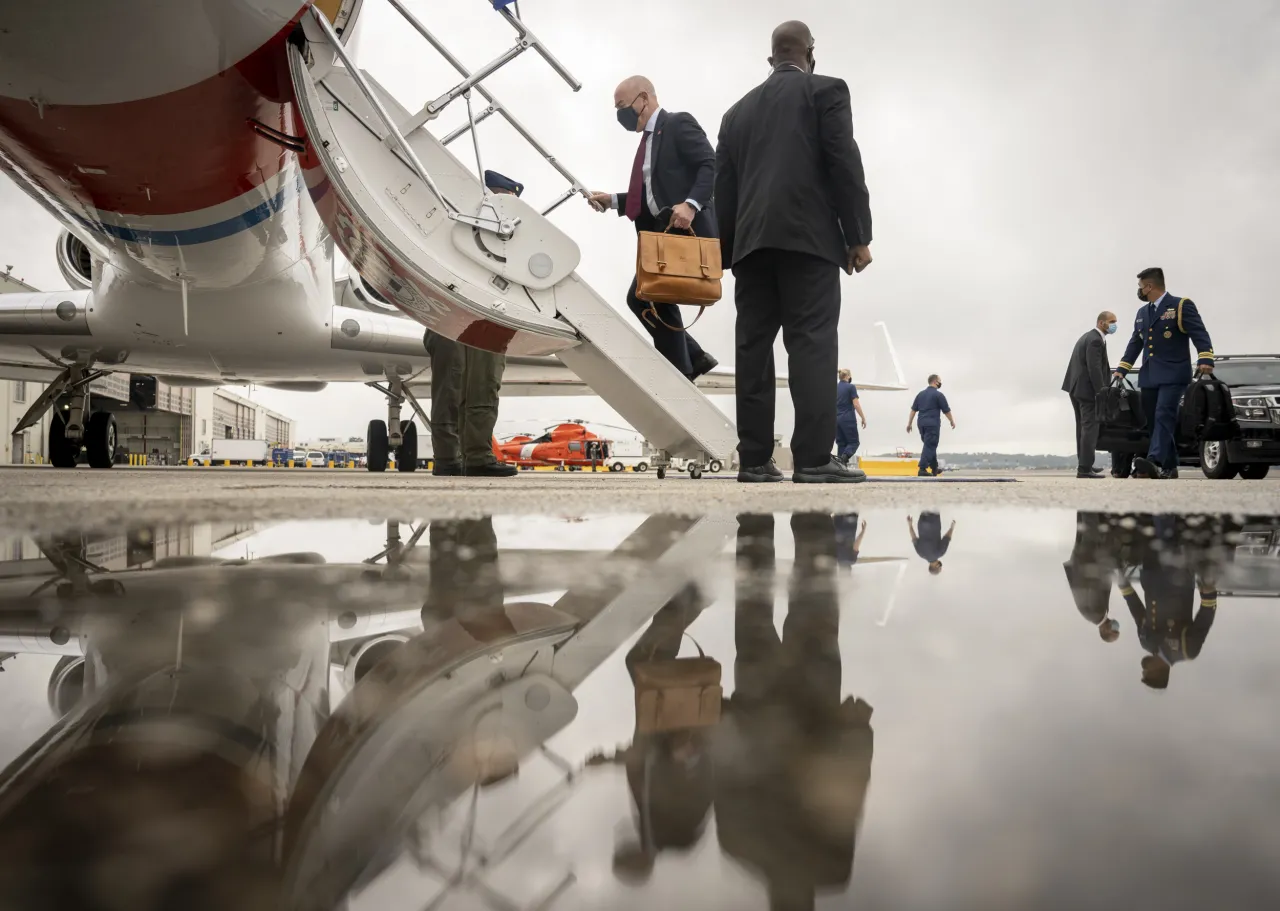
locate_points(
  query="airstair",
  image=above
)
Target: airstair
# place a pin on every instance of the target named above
(486, 269)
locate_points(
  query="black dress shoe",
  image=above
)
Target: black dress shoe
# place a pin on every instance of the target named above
(1168, 474)
(1088, 475)
(446, 469)
(759, 474)
(703, 364)
(831, 473)
(491, 470)
(1145, 468)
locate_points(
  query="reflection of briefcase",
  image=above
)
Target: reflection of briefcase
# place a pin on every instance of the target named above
(678, 269)
(674, 694)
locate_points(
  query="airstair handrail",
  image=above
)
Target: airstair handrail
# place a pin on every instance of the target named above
(528, 39)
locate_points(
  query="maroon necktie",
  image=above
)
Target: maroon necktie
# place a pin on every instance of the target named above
(635, 192)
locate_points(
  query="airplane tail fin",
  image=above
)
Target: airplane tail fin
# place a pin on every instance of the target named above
(885, 370)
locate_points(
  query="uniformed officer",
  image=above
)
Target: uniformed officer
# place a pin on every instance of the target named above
(1162, 331)
(464, 394)
(848, 414)
(932, 407)
(1169, 627)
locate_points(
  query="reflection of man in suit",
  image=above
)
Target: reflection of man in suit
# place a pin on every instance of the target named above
(1089, 573)
(1169, 627)
(793, 760)
(1086, 377)
(669, 772)
(672, 177)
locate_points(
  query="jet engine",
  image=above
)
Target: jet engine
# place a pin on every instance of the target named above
(66, 685)
(75, 262)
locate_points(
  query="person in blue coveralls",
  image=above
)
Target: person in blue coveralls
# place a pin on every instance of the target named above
(1163, 331)
(931, 405)
(848, 415)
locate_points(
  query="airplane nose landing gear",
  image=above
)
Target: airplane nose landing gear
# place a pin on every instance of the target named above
(402, 438)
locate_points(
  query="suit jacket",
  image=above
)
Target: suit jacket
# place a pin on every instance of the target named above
(683, 167)
(1087, 370)
(788, 171)
(1163, 335)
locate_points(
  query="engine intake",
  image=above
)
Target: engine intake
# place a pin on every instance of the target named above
(75, 262)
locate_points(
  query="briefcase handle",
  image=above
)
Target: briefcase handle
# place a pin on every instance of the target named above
(653, 311)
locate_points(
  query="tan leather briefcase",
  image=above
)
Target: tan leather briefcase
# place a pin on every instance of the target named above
(678, 269)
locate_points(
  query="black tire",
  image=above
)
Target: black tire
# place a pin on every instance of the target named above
(407, 454)
(1254, 472)
(662, 474)
(617, 466)
(716, 466)
(641, 466)
(1121, 464)
(695, 472)
(100, 439)
(63, 453)
(1214, 463)
(378, 451)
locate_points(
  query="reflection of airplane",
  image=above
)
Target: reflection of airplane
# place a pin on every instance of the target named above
(201, 689)
(202, 195)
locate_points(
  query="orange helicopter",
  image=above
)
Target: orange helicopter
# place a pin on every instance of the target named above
(570, 445)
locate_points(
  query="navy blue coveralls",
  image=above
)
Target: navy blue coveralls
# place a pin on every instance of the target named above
(1163, 331)
(847, 440)
(930, 405)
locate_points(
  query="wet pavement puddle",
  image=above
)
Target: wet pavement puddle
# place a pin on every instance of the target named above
(972, 709)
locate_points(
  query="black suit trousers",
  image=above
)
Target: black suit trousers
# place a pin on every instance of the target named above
(1087, 427)
(799, 294)
(675, 344)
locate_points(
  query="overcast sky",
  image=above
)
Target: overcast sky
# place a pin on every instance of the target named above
(1025, 160)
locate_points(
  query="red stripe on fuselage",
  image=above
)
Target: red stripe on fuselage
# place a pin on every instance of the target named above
(179, 152)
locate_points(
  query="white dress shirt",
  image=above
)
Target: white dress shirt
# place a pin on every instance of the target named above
(649, 127)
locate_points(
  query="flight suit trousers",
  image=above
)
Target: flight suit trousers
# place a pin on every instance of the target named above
(929, 437)
(847, 439)
(464, 401)
(1161, 404)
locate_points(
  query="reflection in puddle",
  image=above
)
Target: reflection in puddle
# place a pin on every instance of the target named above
(643, 711)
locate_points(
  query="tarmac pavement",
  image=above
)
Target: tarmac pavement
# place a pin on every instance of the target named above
(41, 498)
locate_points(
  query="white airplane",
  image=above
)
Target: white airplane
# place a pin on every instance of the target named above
(204, 168)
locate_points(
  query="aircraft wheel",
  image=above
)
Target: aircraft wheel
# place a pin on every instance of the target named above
(695, 472)
(100, 439)
(378, 452)
(407, 454)
(715, 467)
(63, 453)
(662, 473)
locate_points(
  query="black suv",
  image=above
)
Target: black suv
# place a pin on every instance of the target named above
(1255, 389)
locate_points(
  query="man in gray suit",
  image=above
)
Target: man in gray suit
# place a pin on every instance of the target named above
(1087, 375)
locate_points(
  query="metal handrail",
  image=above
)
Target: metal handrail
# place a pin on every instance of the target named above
(495, 106)
(370, 97)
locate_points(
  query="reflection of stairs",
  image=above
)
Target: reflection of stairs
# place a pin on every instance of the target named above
(390, 173)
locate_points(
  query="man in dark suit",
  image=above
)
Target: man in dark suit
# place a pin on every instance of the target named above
(672, 179)
(793, 208)
(1087, 375)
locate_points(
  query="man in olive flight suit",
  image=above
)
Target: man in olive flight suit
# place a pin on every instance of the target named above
(464, 394)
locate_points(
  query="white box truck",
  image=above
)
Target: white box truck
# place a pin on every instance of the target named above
(237, 452)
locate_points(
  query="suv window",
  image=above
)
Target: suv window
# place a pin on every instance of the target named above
(1249, 373)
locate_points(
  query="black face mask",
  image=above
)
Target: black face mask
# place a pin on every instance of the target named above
(629, 117)
(813, 64)
(1142, 295)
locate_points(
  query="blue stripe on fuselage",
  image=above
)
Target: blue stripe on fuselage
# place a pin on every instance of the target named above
(190, 236)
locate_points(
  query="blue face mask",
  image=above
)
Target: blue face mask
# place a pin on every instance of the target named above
(1111, 328)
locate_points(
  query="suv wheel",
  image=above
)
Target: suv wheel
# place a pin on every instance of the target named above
(1254, 472)
(1213, 461)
